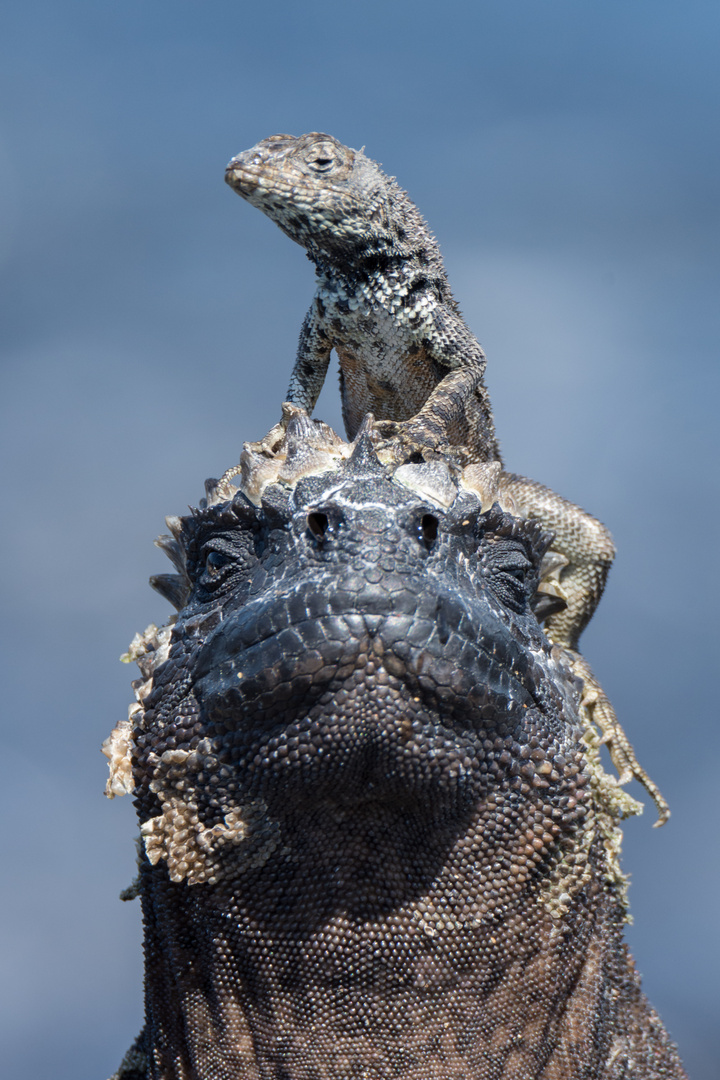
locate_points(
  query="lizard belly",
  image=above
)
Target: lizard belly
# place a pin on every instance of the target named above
(384, 369)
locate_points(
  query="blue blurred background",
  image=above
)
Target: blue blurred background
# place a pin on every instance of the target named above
(566, 155)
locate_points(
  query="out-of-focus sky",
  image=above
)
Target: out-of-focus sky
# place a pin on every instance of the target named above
(567, 157)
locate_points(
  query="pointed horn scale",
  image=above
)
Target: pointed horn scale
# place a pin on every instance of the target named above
(175, 526)
(364, 456)
(174, 552)
(172, 587)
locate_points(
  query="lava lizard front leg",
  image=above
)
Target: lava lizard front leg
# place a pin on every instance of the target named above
(308, 374)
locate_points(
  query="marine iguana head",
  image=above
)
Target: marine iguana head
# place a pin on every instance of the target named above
(357, 765)
(354, 636)
(332, 200)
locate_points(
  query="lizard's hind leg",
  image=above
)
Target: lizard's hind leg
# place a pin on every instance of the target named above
(621, 752)
(587, 552)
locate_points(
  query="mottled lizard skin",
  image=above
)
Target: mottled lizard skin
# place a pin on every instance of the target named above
(377, 839)
(383, 302)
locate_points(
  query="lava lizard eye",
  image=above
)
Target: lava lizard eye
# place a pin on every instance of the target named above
(321, 159)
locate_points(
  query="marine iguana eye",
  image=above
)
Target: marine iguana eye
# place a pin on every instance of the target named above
(510, 573)
(215, 561)
(214, 565)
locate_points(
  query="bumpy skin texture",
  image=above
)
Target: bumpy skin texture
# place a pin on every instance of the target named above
(376, 842)
(384, 304)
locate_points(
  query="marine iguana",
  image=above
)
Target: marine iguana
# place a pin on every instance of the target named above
(384, 303)
(377, 838)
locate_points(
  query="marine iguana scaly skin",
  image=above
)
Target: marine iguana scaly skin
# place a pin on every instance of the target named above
(377, 837)
(384, 304)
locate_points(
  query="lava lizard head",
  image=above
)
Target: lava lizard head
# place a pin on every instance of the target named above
(327, 197)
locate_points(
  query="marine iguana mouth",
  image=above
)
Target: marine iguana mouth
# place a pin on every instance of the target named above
(447, 660)
(406, 692)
